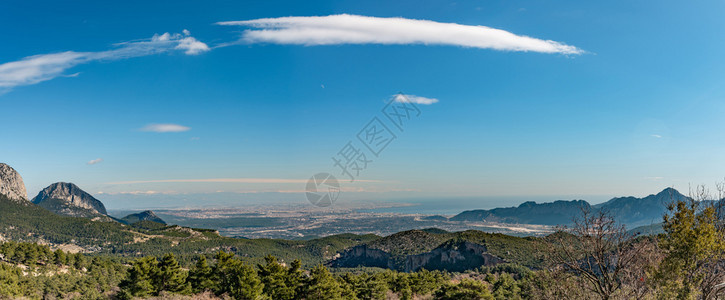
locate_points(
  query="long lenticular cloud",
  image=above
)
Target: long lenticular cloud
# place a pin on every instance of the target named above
(353, 29)
(38, 68)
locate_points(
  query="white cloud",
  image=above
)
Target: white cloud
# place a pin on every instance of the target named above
(165, 128)
(656, 136)
(353, 29)
(38, 68)
(414, 99)
(192, 46)
(95, 161)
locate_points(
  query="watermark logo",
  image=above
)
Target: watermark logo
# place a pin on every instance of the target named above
(322, 189)
(357, 154)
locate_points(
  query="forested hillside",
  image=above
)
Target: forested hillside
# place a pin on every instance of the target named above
(25, 221)
(595, 258)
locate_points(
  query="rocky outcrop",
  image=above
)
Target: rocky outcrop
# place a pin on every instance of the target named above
(363, 255)
(452, 256)
(11, 184)
(142, 216)
(68, 199)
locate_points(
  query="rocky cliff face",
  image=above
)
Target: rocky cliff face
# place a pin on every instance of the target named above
(455, 256)
(11, 184)
(363, 255)
(68, 199)
(452, 256)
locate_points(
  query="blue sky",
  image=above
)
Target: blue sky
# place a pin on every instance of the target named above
(575, 99)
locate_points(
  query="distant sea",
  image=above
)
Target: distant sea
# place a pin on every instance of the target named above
(453, 206)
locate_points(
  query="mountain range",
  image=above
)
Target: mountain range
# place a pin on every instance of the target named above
(65, 215)
(65, 199)
(69, 200)
(630, 211)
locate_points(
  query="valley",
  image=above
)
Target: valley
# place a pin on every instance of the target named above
(303, 222)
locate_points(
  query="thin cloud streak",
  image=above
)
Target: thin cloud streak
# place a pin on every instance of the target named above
(38, 68)
(355, 29)
(163, 128)
(414, 99)
(95, 161)
(222, 180)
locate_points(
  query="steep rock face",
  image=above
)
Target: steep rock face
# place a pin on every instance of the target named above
(11, 184)
(452, 256)
(142, 216)
(68, 199)
(363, 255)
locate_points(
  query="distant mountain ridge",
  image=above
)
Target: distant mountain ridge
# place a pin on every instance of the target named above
(68, 199)
(550, 213)
(641, 211)
(142, 216)
(630, 211)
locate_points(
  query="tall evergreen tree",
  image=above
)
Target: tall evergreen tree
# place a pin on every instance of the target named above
(274, 276)
(295, 277)
(140, 280)
(200, 277)
(694, 245)
(322, 285)
(79, 261)
(236, 278)
(170, 277)
(59, 257)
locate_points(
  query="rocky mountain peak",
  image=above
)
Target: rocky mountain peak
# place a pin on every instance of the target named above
(64, 198)
(671, 193)
(11, 184)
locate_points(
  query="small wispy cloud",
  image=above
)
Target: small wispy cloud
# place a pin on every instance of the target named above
(355, 29)
(95, 161)
(162, 128)
(656, 136)
(38, 68)
(414, 99)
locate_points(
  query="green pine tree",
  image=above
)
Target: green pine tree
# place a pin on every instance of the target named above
(59, 257)
(170, 277)
(322, 285)
(200, 277)
(140, 280)
(236, 278)
(274, 277)
(467, 289)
